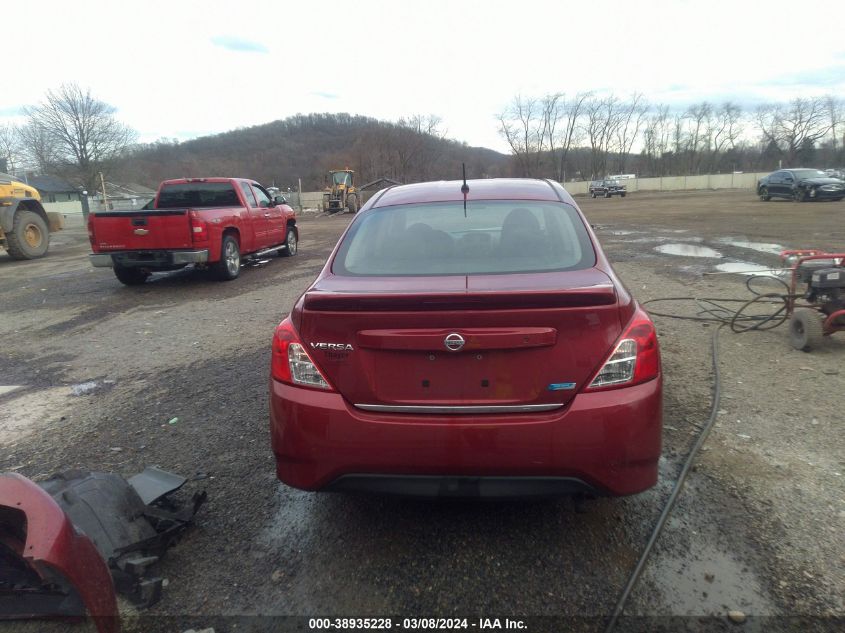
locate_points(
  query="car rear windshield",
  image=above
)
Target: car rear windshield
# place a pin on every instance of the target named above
(197, 194)
(491, 237)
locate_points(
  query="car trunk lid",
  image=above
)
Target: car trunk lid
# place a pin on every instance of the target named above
(461, 343)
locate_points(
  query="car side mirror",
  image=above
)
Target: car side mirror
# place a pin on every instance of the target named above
(280, 200)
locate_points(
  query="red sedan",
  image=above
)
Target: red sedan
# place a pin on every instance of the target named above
(467, 342)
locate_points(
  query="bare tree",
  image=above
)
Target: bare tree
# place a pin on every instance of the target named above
(11, 151)
(657, 135)
(836, 113)
(82, 129)
(38, 146)
(522, 126)
(795, 126)
(602, 118)
(563, 128)
(631, 116)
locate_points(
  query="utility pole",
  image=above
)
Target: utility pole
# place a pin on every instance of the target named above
(105, 200)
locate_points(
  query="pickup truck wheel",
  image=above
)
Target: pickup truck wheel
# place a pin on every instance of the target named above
(130, 276)
(229, 266)
(29, 237)
(292, 244)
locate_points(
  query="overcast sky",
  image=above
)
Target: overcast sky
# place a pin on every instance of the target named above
(186, 69)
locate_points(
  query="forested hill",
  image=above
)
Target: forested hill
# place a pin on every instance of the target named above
(306, 146)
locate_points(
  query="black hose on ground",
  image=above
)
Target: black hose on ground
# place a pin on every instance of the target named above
(676, 490)
(713, 311)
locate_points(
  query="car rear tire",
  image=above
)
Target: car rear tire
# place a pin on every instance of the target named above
(229, 266)
(29, 237)
(130, 276)
(806, 330)
(292, 243)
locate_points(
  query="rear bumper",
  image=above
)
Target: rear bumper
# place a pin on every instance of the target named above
(604, 442)
(148, 259)
(444, 486)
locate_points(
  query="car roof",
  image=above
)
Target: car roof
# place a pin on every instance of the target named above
(486, 189)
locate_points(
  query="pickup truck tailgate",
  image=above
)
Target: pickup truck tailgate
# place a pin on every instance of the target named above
(152, 229)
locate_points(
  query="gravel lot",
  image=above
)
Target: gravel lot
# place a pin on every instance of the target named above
(759, 527)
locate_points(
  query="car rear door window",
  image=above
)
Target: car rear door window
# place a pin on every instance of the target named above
(491, 237)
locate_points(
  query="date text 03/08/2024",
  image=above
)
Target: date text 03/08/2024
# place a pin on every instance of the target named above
(415, 623)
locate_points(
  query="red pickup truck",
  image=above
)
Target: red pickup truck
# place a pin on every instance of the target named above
(209, 222)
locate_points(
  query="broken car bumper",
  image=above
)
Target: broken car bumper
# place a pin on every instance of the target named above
(54, 566)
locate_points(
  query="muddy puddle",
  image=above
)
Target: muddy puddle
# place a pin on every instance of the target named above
(750, 268)
(29, 412)
(761, 247)
(688, 250)
(707, 581)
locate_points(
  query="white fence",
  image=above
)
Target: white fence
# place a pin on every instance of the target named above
(679, 183)
(313, 199)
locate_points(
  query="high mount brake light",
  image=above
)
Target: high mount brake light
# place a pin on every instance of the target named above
(290, 362)
(635, 358)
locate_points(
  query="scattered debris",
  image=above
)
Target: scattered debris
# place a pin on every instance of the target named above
(61, 573)
(736, 616)
(67, 543)
(173, 420)
(84, 388)
(131, 523)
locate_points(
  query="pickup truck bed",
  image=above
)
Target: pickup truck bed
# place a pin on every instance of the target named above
(229, 218)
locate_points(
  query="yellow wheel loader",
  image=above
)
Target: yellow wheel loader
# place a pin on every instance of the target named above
(342, 193)
(25, 226)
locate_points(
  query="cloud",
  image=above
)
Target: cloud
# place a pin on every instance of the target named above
(326, 95)
(238, 44)
(831, 76)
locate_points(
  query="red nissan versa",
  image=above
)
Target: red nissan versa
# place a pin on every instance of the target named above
(463, 344)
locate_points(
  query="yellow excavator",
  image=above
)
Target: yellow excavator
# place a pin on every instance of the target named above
(25, 226)
(342, 193)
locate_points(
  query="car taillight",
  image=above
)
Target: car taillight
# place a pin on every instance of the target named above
(199, 228)
(290, 362)
(635, 358)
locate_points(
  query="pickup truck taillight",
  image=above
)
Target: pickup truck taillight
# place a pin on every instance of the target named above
(91, 237)
(199, 228)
